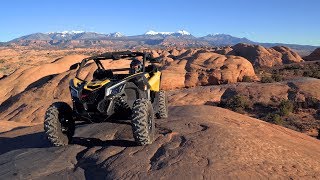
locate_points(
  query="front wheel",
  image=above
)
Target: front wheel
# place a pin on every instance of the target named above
(59, 125)
(143, 125)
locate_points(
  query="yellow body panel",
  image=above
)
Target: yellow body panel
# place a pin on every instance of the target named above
(95, 84)
(147, 76)
(154, 81)
(76, 81)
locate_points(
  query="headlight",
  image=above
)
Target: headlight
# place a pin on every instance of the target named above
(115, 90)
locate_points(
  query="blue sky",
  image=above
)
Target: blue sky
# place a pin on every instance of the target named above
(286, 21)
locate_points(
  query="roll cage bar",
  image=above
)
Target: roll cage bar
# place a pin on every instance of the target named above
(114, 56)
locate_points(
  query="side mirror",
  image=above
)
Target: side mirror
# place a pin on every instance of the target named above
(74, 66)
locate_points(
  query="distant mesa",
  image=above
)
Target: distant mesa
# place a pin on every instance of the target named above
(225, 39)
(315, 55)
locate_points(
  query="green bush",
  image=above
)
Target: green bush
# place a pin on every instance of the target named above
(316, 74)
(292, 67)
(267, 79)
(236, 103)
(275, 119)
(3, 68)
(312, 102)
(247, 79)
(258, 70)
(312, 73)
(277, 77)
(307, 73)
(286, 107)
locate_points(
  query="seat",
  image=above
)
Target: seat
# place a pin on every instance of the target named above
(151, 69)
(102, 74)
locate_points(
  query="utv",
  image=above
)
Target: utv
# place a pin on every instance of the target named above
(111, 93)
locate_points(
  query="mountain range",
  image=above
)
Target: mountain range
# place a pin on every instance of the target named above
(182, 38)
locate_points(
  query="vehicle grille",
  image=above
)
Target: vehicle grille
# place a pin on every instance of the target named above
(91, 97)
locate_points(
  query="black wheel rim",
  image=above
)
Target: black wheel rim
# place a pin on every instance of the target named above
(64, 126)
(64, 121)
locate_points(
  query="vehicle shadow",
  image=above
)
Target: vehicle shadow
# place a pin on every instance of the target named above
(39, 140)
(113, 121)
(35, 140)
(92, 142)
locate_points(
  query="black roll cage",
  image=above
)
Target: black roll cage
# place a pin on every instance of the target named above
(114, 56)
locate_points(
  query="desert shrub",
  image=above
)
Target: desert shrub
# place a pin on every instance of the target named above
(3, 68)
(312, 73)
(307, 73)
(286, 107)
(316, 74)
(247, 79)
(266, 79)
(292, 67)
(261, 104)
(275, 118)
(317, 115)
(296, 72)
(258, 70)
(2, 61)
(312, 102)
(236, 103)
(277, 77)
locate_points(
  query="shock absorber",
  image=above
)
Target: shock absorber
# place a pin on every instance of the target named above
(123, 103)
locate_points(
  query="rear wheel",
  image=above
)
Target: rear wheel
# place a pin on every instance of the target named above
(163, 105)
(143, 125)
(59, 125)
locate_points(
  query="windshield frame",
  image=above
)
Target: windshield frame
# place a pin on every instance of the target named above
(112, 56)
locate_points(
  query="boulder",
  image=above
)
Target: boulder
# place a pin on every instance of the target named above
(202, 67)
(260, 56)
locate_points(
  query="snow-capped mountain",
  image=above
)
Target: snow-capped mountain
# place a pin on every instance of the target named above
(149, 38)
(116, 34)
(152, 33)
(81, 35)
(63, 33)
(68, 35)
(182, 38)
(178, 33)
(183, 32)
